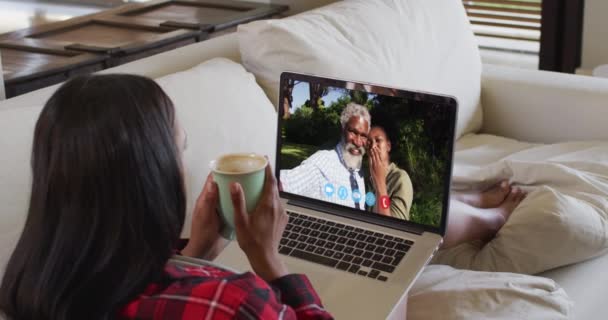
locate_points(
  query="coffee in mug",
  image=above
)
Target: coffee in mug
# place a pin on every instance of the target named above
(240, 163)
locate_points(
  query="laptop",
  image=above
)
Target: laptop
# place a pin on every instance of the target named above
(365, 175)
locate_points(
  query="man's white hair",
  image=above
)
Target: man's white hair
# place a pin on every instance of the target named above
(354, 110)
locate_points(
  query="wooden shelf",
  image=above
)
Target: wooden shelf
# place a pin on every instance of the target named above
(44, 55)
(196, 14)
(28, 68)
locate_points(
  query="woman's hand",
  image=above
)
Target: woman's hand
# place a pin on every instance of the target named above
(205, 240)
(259, 232)
(379, 169)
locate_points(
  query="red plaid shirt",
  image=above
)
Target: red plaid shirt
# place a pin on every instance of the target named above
(205, 292)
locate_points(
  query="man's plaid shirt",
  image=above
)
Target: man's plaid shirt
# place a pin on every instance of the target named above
(206, 292)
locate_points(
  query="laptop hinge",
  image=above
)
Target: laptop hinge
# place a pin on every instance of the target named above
(361, 217)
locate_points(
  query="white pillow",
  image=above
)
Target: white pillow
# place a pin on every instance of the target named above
(564, 218)
(223, 110)
(442, 292)
(415, 44)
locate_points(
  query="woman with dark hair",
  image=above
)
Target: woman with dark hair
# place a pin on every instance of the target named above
(106, 210)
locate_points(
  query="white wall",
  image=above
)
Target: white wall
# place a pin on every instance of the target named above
(595, 43)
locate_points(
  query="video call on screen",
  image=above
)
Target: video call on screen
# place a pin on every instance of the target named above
(377, 152)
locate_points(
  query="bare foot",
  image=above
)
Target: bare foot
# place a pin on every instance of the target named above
(497, 217)
(511, 202)
(490, 198)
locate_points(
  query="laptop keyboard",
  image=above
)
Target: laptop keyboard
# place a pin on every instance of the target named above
(351, 249)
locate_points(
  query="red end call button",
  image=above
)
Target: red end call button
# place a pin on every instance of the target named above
(385, 202)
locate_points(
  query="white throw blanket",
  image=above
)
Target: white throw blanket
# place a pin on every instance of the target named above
(562, 221)
(445, 293)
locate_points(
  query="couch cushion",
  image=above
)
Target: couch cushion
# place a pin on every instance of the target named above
(415, 44)
(585, 284)
(445, 293)
(223, 110)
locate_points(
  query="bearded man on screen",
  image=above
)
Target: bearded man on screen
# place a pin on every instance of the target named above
(335, 175)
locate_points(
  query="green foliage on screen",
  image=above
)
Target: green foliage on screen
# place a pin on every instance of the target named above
(418, 135)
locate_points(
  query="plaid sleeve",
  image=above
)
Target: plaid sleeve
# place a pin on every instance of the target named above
(289, 297)
(295, 291)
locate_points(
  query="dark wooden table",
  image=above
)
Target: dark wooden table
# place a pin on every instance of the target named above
(45, 55)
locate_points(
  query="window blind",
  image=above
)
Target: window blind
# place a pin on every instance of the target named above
(513, 25)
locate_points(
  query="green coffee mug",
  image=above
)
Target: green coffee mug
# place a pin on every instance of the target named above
(248, 170)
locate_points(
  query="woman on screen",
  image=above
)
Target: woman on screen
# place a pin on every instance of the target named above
(392, 185)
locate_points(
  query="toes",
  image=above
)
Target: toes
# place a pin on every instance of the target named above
(515, 191)
(518, 194)
(523, 195)
(505, 189)
(504, 185)
(514, 194)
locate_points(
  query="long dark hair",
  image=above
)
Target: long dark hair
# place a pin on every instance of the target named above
(107, 203)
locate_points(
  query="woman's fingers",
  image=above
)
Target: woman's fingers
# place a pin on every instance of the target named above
(241, 218)
(270, 193)
(208, 197)
(206, 224)
(375, 155)
(270, 184)
(378, 155)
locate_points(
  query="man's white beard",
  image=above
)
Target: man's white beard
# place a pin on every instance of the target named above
(351, 161)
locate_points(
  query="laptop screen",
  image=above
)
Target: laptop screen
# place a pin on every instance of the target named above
(377, 151)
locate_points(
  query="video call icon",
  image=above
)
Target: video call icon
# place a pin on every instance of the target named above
(370, 199)
(356, 195)
(342, 193)
(329, 190)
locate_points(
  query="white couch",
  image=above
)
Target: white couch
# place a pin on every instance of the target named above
(534, 106)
